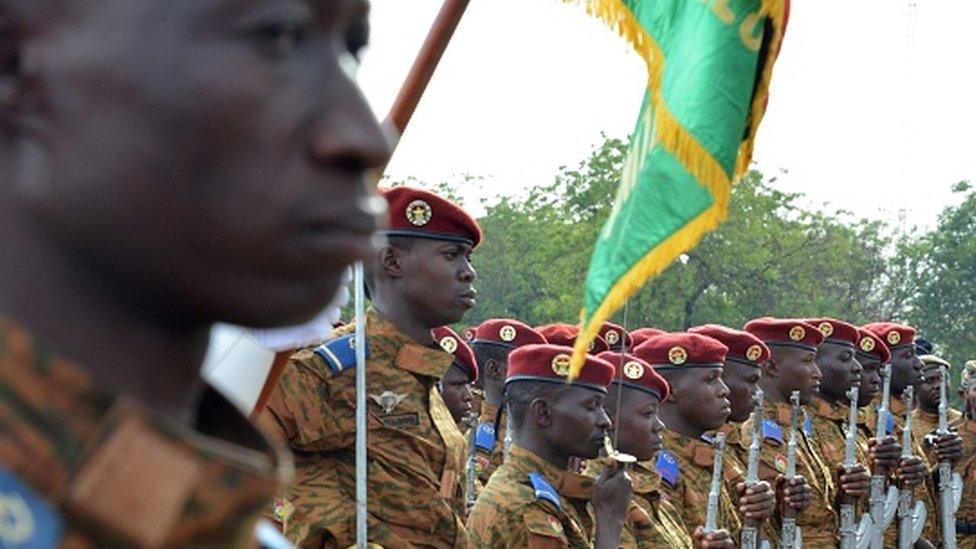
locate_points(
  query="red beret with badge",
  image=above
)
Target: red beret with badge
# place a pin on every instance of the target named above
(507, 333)
(550, 363)
(681, 350)
(835, 331)
(616, 337)
(640, 335)
(630, 371)
(785, 332)
(893, 334)
(564, 334)
(422, 214)
(872, 347)
(452, 344)
(744, 348)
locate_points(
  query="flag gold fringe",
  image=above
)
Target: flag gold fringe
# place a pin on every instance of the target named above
(677, 140)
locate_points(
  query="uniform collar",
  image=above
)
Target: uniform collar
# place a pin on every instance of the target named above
(696, 451)
(569, 485)
(386, 338)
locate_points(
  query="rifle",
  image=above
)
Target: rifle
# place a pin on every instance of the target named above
(911, 516)
(750, 531)
(469, 480)
(711, 512)
(852, 537)
(950, 483)
(882, 508)
(791, 535)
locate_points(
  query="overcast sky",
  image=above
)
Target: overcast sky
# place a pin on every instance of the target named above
(864, 114)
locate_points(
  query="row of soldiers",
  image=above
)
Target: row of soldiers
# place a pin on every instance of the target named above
(784, 432)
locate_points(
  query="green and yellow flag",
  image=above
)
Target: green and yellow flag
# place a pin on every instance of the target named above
(709, 65)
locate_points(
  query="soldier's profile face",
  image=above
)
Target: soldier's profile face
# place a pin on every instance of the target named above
(703, 398)
(209, 155)
(438, 280)
(579, 421)
(840, 370)
(870, 381)
(639, 427)
(741, 381)
(799, 372)
(905, 367)
(456, 392)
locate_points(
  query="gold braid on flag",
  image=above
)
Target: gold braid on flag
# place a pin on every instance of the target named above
(689, 152)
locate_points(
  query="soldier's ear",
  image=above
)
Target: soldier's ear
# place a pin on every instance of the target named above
(494, 369)
(541, 413)
(770, 368)
(391, 260)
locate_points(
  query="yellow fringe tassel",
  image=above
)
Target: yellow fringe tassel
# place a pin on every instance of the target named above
(677, 140)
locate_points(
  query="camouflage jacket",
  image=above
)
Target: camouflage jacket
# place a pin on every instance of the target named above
(651, 520)
(415, 479)
(81, 466)
(530, 502)
(817, 521)
(966, 515)
(685, 465)
(829, 422)
(489, 440)
(925, 423)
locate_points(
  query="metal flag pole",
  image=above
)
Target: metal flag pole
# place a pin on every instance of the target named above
(438, 38)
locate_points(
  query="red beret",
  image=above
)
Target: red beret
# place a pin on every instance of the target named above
(423, 214)
(507, 333)
(893, 334)
(682, 350)
(454, 345)
(616, 337)
(565, 334)
(872, 346)
(640, 335)
(635, 373)
(551, 363)
(470, 331)
(744, 348)
(836, 331)
(788, 332)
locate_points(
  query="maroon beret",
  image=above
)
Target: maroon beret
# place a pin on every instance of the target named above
(551, 363)
(506, 332)
(787, 332)
(616, 337)
(454, 345)
(893, 334)
(423, 214)
(836, 331)
(640, 335)
(635, 373)
(564, 334)
(872, 347)
(682, 350)
(744, 348)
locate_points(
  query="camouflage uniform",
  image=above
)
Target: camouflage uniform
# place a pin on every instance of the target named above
(925, 491)
(924, 423)
(489, 440)
(818, 521)
(415, 478)
(966, 515)
(81, 466)
(530, 502)
(686, 468)
(739, 450)
(829, 422)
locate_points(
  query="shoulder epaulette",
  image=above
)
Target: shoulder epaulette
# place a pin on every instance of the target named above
(772, 431)
(808, 425)
(484, 437)
(28, 519)
(340, 353)
(544, 490)
(667, 467)
(890, 426)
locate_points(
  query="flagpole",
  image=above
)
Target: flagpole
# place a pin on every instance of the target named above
(405, 104)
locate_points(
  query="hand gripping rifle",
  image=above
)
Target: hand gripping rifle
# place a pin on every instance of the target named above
(711, 512)
(950, 483)
(791, 535)
(750, 531)
(911, 516)
(852, 537)
(882, 507)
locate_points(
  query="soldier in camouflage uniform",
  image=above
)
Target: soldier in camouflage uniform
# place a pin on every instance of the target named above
(423, 279)
(906, 369)
(456, 384)
(532, 500)
(698, 404)
(492, 342)
(135, 212)
(633, 401)
(926, 416)
(966, 426)
(741, 372)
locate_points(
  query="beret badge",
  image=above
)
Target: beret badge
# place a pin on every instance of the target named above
(826, 328)
(894, 337)
(560, 364)
(634, 370)
(754, 352)
(797, 333)
(507, 333)
(449, 344)
(867, 344)
(677, 355)
(418, 213)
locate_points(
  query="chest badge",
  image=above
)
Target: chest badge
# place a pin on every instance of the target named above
(388, 401)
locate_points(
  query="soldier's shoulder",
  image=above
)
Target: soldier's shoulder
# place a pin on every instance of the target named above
(332, 357)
